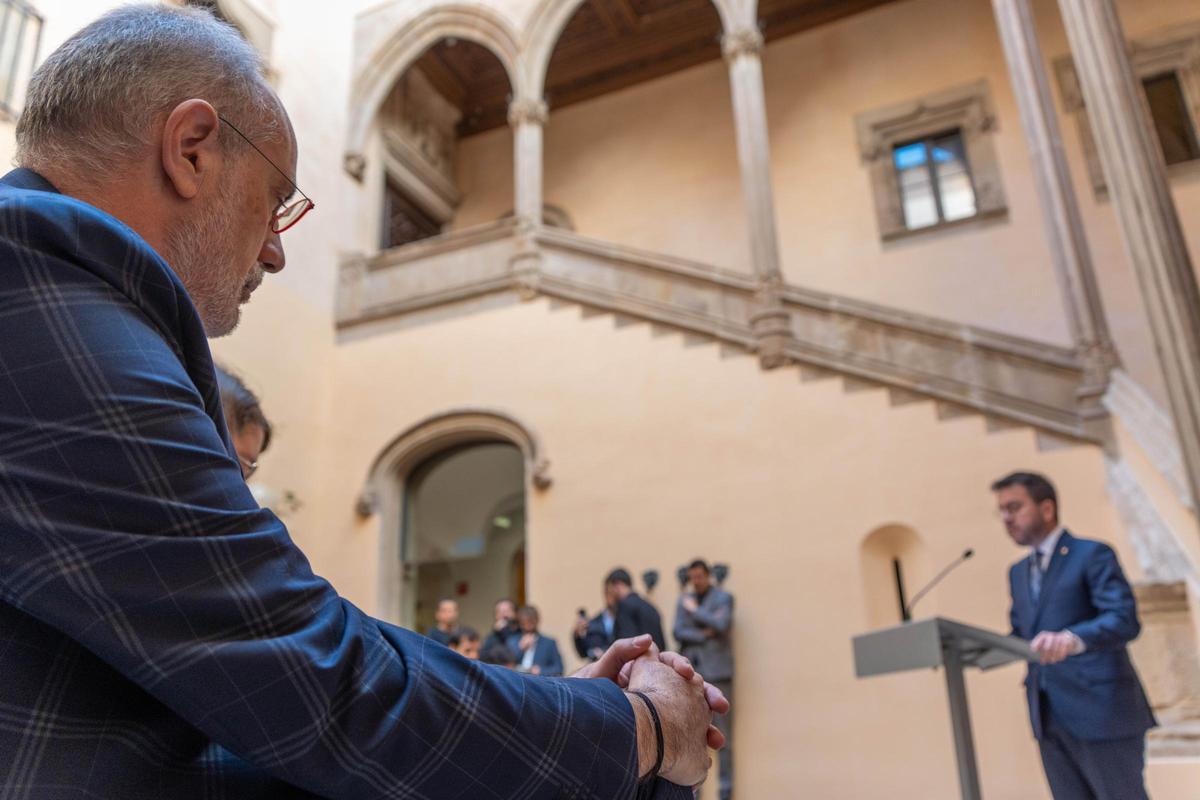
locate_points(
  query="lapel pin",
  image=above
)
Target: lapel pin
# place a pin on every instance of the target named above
(1062, 551)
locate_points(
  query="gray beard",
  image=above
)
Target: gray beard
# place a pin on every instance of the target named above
(201, 254)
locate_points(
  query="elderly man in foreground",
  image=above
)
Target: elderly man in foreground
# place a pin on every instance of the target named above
(162, 635)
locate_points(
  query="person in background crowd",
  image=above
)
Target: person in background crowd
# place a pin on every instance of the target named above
(500, 654)
(445, 620)
(465, 642)
(248, 426)
(1071, 600)
(704, 628)
(634, 615)
(593, 636)
(504, 624)
(538, 653)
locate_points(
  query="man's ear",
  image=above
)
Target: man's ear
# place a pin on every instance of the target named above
(190, 147)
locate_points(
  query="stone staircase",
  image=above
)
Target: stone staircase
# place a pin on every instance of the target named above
(965, 370)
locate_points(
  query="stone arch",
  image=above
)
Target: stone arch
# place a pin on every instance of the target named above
(877, 551)
(383, 496)
(552, 16)
(388, 62)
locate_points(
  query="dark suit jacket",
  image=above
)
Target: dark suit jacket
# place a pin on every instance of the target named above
(634, 617)
(1095, 695)
(162, 636)
(595, 637)
(545, 654)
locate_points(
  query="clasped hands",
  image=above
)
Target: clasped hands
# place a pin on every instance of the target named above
(1055, 646)
(685, 703)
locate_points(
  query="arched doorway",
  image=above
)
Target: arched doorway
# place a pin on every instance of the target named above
(450, 496)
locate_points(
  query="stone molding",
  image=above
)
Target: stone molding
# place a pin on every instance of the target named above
(995, 374)
(1167, 655)
(1176, 49)
(1151, 427)
(1159, 553)
(968, 108)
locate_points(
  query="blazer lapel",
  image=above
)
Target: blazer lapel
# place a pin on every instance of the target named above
(1062, 550)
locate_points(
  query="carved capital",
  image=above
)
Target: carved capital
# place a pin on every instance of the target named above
(742, 42)
(355, 164)
(525, 111)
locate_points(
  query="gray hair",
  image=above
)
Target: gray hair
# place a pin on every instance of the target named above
(96, 99)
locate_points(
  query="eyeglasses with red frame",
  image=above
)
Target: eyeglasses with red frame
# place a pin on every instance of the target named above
(286, 214)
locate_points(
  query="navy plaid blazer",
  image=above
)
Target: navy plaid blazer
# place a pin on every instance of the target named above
(160, 634)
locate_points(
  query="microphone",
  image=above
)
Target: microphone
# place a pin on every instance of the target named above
(907, 612)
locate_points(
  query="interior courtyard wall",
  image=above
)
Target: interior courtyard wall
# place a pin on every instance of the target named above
(654, 166)
(781, 479)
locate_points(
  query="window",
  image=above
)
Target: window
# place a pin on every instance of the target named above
(1168, 65)
(935, 184)
(1172, 123)
(20, 35)
(931, 160)
(403, 220)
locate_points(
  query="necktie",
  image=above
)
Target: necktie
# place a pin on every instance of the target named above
(1035, 576)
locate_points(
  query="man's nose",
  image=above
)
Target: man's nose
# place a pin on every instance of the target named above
(271, 255)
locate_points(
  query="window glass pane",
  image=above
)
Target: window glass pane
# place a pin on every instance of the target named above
(1172, 122)
(916, 188)
(954, 180)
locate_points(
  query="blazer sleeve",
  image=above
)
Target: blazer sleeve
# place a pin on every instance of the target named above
(720, 617)
(685, 631)
(1116, 623)
(126, 525)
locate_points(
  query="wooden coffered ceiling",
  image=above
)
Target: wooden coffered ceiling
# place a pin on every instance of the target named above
(609, 45)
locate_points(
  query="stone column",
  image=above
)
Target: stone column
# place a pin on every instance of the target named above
(1137, 182)
(1060, 209)
(742, 49)
(527, 118)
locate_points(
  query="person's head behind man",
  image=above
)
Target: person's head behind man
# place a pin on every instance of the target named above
(465, 642)
(618, 585)
(528, 618)
(700, 576)
(135, 115)
(504, 612)
(1028, 506)
(248, 426)
(446, 615)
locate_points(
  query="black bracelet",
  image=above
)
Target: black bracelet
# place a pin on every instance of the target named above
(658, 737)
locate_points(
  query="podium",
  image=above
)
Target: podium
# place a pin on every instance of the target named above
(939, 642)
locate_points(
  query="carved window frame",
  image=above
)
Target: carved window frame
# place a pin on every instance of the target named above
(1175, 50)
(968, 109)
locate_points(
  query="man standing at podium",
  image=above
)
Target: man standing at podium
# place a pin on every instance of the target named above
(1071, 600)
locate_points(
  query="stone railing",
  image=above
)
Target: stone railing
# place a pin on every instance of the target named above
(998, 375)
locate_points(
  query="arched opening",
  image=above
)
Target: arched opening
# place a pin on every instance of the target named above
(463, 531)
(640, 146)
(450, 497)
(444, 145)
(893, 563)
